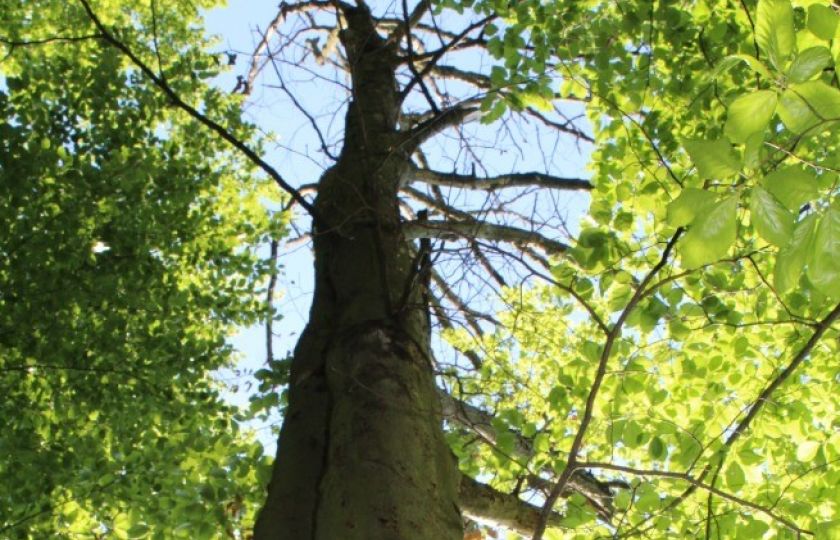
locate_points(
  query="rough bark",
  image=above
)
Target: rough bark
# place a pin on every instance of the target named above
(485, 504)
(361, 454)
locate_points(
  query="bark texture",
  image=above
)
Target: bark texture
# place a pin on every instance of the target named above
(361, 454)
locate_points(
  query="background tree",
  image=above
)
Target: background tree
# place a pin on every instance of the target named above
(665, 369)
(127, 258)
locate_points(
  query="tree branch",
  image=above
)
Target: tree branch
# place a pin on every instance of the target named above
(527, 179)
(479, 80)
(437, 55)
(405, 25)
(765, 394)
(565, 127)
(596, 492)
(698, 484)
(483, 503)
(416, 14)
(478, 421)
(262, 46)
(449, 230)
(432, 124)
(601, 371)
(189, 109)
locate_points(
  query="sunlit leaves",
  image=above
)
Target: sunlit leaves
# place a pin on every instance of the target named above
(690, 203)
(714, 159)
(823, 264)
(749, 114)
(828, 530)
(809, 106)
(118, 216)
(791, 259)
(772, 221)
(735, 478)
(792, 185)
(809, 63)
(711, 234)
(807, 451)
(774, 30)
(731, 61)
(727, 318)
(823, 21)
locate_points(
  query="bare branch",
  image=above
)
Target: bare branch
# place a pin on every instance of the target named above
(257, 64)
(438, 205)
(445, 321)
(269, 302)
(324, 147)
(447, 229)
(565, 127)
(432, 124)
(402, 26)
(527, 179)
(437, 55)
(479, 80)
(416, 14)
(472, 316)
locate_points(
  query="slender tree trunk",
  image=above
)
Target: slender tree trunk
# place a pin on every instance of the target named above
(361, 454)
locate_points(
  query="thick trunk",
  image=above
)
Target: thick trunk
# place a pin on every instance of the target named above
(361, 454)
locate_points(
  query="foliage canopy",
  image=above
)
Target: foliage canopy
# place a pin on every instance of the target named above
(683, 348)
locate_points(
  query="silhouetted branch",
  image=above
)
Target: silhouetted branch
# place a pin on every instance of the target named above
(496, 182)
(453, 230)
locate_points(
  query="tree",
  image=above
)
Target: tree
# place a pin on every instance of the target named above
(667, 369)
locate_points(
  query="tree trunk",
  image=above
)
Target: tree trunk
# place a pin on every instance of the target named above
(361, 454)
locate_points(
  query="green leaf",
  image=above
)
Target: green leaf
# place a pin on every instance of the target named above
(791, 259)
(823, 21)
(690, 202)
(656, 448)
(827, 530)
(121, 524)
(807, 451)
(774, 30)
(749, 114)
(793, 186)
(535, 100)
(137, 531)
(808, 105)
(714, 159)
(730, 61)
(824, 265)
(771, 219)
(711, 234)
(753, 528)
(752, 150)
(809, 63)
(735, 478)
